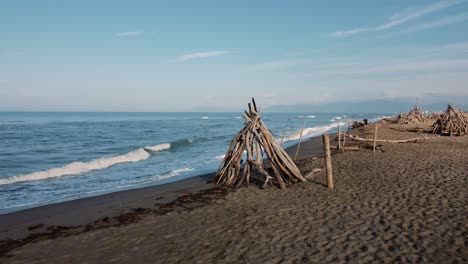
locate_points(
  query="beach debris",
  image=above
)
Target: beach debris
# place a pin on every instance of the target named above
(311, 174)
(451, 122)
(353, 148)
(356, 124)
(253, 149)
(415, 115)
(36, 226)
(410, 140)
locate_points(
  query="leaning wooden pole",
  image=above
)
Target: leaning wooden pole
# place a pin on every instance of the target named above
(284, 131)
(344, 134)
(339, 137)
(328, 164)
(375, 137)
(299, 143)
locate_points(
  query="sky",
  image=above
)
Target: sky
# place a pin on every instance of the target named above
(215, 55)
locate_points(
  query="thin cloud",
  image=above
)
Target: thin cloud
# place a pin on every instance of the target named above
(274, 65)
(439, 23)
(401, 18)
(130, 33)
(201, 55)
(402, 67)
(456, 47)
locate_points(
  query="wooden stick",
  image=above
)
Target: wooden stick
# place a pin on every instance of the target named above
(344, 134)
(328, 164)
(347, 148)
(339, 136)
(284, 132)
(299, 143)
(375, 136)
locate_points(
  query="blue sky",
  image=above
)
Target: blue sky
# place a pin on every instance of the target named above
(215, 55)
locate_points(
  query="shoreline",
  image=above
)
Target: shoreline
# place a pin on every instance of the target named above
(404, 202)
(78, 212)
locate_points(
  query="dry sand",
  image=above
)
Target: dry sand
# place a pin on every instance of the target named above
(406, 203)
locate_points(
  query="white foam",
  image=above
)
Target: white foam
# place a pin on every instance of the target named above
(332, 120)
(337, 118)
(220, 157)
(311, 116)
(159, 147)
(204, 117)
(79, 167)
(311, 131)
(171, 173)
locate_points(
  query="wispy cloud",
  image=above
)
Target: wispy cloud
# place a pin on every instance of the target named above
(130, 33)
(439, 23)
(201, 55)
(456, 47)
(274, 65)
(401, 18)
(399, 67)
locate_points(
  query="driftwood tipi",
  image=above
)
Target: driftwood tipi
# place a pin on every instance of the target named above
(451, 122)
(415, 115)
(262, 154)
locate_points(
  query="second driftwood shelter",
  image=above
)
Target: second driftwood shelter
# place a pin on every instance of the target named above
(261, 152)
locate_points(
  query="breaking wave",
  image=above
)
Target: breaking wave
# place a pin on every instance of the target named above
(76, 168)
(220, 157)
(310, 132)
(79, 167)
(172, 173)
(159, 147)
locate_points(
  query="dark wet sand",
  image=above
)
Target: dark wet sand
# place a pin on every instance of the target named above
(406, 203)
(83, 211)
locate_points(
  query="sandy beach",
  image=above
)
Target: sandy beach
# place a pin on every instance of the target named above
(405, 203)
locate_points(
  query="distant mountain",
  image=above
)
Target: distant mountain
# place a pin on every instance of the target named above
(370, 106)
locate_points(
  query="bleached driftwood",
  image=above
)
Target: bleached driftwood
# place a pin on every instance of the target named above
(415, 115)
(347, 147)
(411, 140)
(451, 122)
(257, 141)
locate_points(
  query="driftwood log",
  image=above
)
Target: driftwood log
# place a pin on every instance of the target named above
(411, 140)
(261, 152)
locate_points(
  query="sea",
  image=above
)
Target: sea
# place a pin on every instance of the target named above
(49, 157)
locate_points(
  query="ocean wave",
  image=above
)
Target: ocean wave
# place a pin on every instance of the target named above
(204, 117)
(220, 157)
(159, 147)
(79, 167)
(171, 173)
(182, 142)
(310, 132)
(152, 179)
(337, 117)
(309, 116)
(76, 168)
